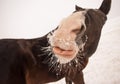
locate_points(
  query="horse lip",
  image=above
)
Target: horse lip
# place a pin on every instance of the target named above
(63, 52)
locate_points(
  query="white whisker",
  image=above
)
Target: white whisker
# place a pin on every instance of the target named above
(52, 66)
(46, 49)
(50, 53)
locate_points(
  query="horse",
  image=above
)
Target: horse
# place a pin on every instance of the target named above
(63, 52)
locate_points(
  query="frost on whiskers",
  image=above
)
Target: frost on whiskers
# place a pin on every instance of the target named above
(70, 66)
(77, 64)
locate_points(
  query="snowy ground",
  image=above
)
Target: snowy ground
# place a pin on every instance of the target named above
(104, 65)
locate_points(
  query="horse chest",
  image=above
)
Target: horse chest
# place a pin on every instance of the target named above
(40, 76)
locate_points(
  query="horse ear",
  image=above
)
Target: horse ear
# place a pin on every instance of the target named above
(105, 7)
(77, 8)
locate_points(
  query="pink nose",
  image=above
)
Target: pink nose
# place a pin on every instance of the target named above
(63, 44)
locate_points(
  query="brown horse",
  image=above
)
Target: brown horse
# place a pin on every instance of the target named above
(64, 52)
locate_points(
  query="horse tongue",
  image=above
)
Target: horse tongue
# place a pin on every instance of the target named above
(62, 52)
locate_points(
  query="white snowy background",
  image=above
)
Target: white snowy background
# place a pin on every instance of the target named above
(35, 18)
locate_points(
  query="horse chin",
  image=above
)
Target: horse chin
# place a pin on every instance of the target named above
(63, 59)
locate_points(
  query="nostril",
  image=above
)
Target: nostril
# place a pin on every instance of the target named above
(76, 31)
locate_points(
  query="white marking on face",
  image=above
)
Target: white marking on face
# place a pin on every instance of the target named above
(63, 39)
